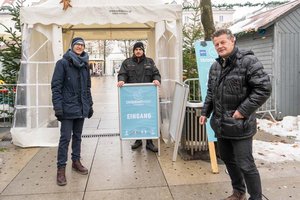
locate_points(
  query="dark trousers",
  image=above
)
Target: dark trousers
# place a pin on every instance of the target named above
(237, 156)
(69, 126)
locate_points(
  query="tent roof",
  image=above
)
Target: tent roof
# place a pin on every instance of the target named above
(100, 12)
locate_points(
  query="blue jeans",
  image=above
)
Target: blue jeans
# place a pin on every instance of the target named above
(69, 126)
(237, 156)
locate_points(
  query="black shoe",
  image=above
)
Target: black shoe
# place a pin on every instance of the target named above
(137, 144)
(150, 146)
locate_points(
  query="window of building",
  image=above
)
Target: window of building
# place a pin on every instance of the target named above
(221, 18)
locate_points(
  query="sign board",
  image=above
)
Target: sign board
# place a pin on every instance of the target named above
(178, 109)
(205, 55)
(178, 113)
(139, 111)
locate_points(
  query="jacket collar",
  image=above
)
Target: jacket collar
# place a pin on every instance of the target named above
(230, 59)
(135, 59)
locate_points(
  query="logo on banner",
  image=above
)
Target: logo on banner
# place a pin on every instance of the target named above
(202, 52)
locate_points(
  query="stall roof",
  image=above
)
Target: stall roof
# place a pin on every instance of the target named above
(264, 19)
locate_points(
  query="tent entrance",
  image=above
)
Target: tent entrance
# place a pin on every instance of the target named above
(135, 31)
(105, 63)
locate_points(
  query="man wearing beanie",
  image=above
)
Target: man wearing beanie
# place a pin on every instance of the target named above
(139, 69)
(72, 102)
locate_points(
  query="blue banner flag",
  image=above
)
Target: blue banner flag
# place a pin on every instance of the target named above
(205, 55)
(138, 106)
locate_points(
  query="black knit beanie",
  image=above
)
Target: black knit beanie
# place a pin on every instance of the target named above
(138, 45)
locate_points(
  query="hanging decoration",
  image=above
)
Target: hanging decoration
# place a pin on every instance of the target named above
(66, 4)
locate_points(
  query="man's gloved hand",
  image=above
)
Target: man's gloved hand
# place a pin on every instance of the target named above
(91, 112)
(59, 114)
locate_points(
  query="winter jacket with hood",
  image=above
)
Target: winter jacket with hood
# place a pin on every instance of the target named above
(71, 86)
(242, 85)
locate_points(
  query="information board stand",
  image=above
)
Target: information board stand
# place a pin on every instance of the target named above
(139, 112)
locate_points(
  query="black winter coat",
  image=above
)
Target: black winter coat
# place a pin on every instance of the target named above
(241, 85)
(133, 71)
(71, 89)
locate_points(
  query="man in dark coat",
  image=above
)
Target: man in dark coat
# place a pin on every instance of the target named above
(139, 69)
(72, 102)
(237, 87)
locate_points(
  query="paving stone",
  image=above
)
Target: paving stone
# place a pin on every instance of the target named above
(154, 193)
(136, 169)
(56, 196)
(12, 160)
(39, 175)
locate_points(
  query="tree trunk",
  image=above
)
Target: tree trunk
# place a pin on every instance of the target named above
(207, 19)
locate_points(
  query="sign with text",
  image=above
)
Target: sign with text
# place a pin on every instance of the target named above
(205, 55)
(139, 111)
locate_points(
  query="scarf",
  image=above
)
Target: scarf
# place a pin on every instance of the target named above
(78, 60)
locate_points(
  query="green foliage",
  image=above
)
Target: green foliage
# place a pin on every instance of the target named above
(191, 32)
(10, 54)
(189, 64)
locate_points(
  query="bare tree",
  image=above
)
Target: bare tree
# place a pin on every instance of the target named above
(126, 47)
(105, 47)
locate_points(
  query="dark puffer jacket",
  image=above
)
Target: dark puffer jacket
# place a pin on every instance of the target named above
(71, 89)
(133, 71)
(241, 85)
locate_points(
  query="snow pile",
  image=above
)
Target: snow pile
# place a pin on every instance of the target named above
(277, 151)
(288, 127)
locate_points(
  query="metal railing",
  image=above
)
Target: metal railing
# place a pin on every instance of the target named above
(269, 107)
(194, 94)
(7, 104)
(194, 137)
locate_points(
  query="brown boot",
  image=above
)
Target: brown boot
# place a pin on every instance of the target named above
(61, 176)
(78, 167)
(237, 195)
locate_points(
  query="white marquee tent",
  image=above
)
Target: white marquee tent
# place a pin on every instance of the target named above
(47, 33)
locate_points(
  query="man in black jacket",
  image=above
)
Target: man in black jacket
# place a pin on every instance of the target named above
(237, 87)
(72, 102)
(139, 69)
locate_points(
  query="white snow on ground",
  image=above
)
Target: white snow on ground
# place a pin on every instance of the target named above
(277, 151)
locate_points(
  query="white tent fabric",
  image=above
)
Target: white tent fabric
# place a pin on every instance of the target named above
(101, 12)
(47, 33)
